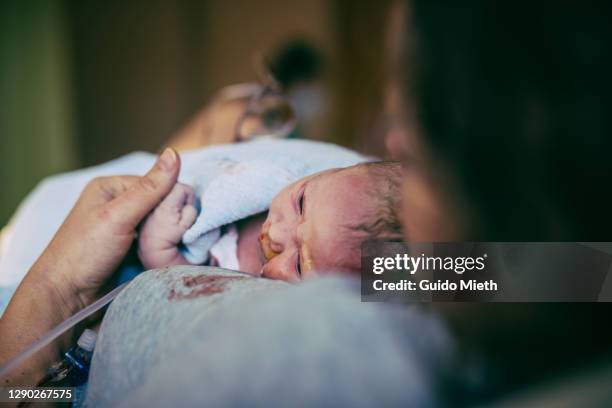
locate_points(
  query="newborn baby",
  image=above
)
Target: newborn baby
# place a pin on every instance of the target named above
(313, 226)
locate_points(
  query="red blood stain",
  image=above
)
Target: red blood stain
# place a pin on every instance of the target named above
(201, 285)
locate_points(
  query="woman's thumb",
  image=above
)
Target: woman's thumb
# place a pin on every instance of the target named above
(149, 190)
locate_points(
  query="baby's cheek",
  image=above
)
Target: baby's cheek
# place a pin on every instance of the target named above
(307, 259)
(340, 259)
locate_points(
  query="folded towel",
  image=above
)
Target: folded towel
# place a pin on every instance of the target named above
(232, 182)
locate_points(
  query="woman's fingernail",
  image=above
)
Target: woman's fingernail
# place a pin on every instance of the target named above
(167, 160)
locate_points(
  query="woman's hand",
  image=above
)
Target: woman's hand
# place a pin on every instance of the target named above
(101, 227)
(84, 253)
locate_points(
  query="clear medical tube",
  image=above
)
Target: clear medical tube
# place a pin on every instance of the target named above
(60, 329)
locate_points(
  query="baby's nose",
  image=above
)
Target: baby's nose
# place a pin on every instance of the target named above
(277, 238)
(275, 246)
(269, 249)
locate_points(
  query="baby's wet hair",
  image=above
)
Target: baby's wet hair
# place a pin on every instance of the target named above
(382, 222)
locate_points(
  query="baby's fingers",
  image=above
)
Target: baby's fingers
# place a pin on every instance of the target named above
(180, 196)
(188, 216)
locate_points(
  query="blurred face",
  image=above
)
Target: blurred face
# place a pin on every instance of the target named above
(306, 234)
(430, 207)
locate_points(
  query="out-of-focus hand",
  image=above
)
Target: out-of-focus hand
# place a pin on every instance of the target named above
(215, 124)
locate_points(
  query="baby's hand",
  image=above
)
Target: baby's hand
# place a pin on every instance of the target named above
(162, 230)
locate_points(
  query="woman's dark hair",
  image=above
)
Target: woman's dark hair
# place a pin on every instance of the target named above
(516, 98)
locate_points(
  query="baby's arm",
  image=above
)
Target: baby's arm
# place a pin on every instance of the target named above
(161, 232)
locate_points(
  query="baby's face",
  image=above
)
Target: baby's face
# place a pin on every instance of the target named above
(306, 234)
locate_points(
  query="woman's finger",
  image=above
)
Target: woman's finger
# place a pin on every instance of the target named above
(144, 193)
(101, 190)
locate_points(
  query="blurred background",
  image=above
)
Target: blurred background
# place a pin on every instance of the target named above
(83, 82)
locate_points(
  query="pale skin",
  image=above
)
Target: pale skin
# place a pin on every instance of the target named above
(302, 235)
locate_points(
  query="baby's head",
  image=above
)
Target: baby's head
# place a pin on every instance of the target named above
(317, 224)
